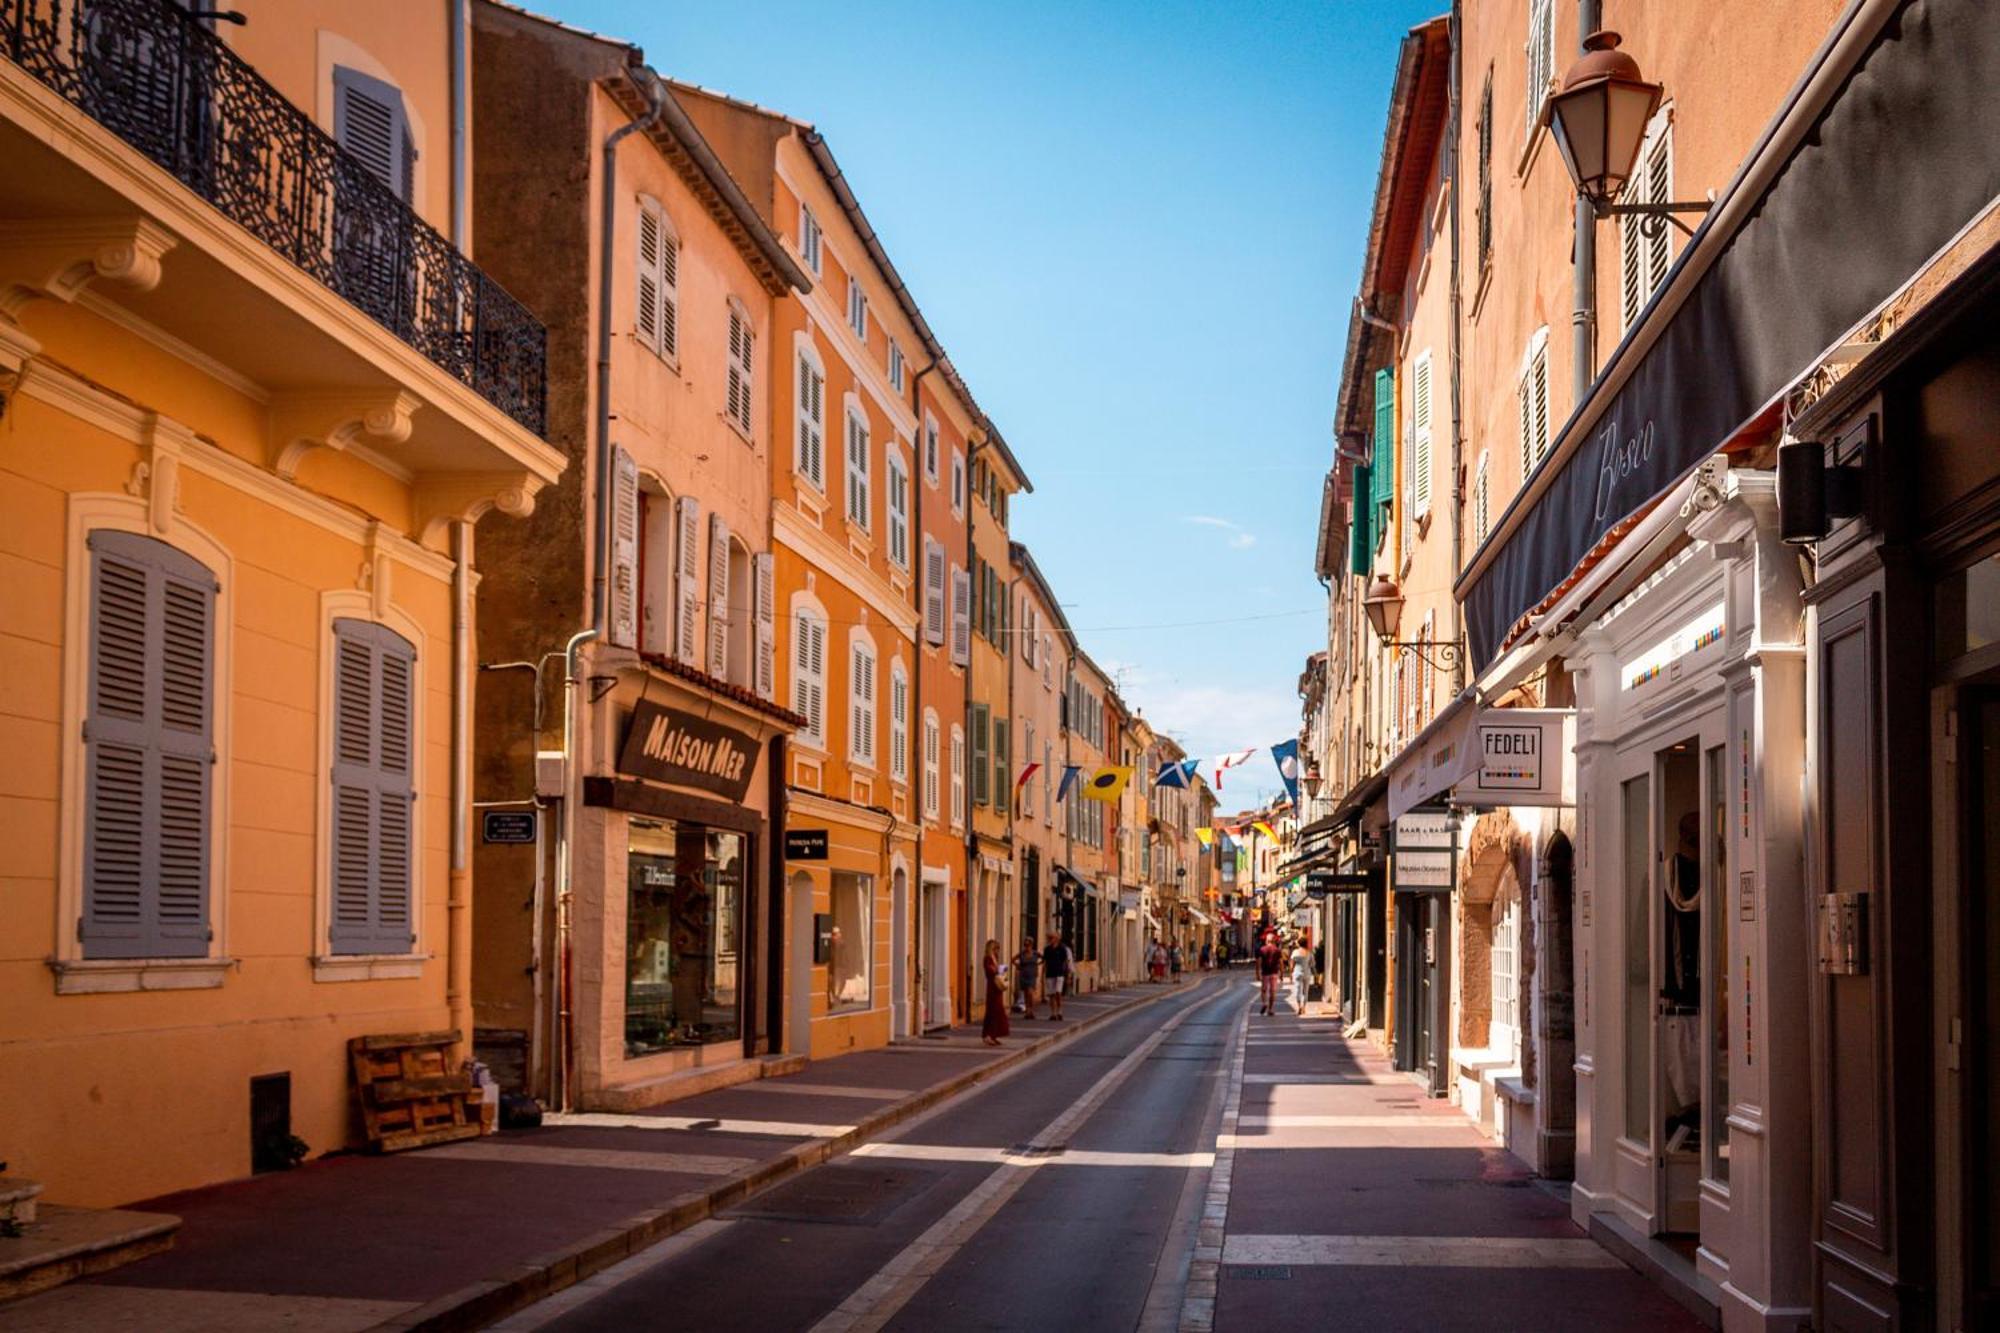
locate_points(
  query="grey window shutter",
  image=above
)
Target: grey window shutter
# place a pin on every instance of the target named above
(369, 122)
(149, 751)
(763, 586)
(374, 690)
(718, 597)
(961, 616)
(687, 553)
(624, 550)
(934, 591)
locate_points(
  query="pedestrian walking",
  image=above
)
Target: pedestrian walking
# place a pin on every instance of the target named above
(1174, 963)
(1270, 962)
(1206, 956)
(1027, 973)
(996, 1025)
(1156, 963)
(1056, 960)
(1302, 963)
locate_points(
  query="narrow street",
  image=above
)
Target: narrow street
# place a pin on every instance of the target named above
(1081, 1189)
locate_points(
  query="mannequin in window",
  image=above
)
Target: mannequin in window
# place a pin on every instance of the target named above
(1681, 986)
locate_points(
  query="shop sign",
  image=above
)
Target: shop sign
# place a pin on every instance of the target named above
(1522, 757)
(805, 844)
(1424, 852)
(671, 746)
(507, 826)
(1319, 883)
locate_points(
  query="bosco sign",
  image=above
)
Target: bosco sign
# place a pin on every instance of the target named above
(668, 745)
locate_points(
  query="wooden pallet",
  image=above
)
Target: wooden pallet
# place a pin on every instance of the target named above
(411, 1096)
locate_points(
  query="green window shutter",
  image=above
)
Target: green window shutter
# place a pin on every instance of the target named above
(1361, 531)
(1382, 465)
(982, 756)
(1003, 751)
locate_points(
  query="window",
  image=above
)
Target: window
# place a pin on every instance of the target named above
(1541, 58)
(374, 690)
(1643, 257)
(849, 943)
(1003, 765)
(930, 450)
(1048, 771)
(742, 344)
(899, 511)
(1486, 173)
(1026, 802)
(809, 673)
(899, 723)
(1534, 395)
(683, 932)
(961, 616)
(809, 239)
(371, 123)
(934, 591)
(1420, 429)
(957, 776)
(149, 752)
(1482, 501)
(895, 366)
(857, 309)
(930, 764)
(857, 468)
(658, 319)
(982, 754)
(719, 602)
(958, 482)
(861, 699)
(810, 459)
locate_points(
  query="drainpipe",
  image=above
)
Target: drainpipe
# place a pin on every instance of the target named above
(971, 806)
(774, 915)
(1583, 322)
(919, 483)
(460, 67)
(1451, 166)
(458, 901)
(600, 558)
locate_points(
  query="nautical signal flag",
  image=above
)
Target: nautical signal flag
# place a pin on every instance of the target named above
(1176, 774)
(1107, 784)
(1286, 755)
(1070, 775)
(1264, 829)
(1204, 836)
(1229, 761)
(1027, 773)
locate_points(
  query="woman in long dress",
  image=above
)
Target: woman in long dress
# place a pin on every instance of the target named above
(995, 1026)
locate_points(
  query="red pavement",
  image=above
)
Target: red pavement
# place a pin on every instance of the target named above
(422, 1228)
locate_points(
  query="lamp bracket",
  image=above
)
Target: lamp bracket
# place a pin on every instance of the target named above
(1446, 650)
(1655, 217)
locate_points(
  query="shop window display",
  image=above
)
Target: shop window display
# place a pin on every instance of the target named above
(848, 945)
(684, 896)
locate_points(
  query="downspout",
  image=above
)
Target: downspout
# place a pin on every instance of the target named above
(461, 20)
(775, 910)
(919, 553)
(1583, 321)
(458, 900)
(1452, 131)
(600, 542)
(971, 817)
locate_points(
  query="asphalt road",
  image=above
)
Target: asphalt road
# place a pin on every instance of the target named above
(1063, 1195)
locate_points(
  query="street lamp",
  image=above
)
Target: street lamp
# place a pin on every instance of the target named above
(1384, 605)
(1598, 119)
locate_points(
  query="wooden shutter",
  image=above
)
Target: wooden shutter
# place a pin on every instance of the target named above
(1631, 255)
(1361, 547)
(899, 724)
(934, 578)
(982, 755)
(1003, 750)
(686, 561)
(670, 294)
(861, 700)
(1420, 414)
(624, 592)
(718, 597)
(1382, 464)
(930, 766)
(961, 616)
(809, 673)
(374, 691)
(1659, 172)
(812, 424)
(149, 751)
(741, 344)
(763, 587)
(648, 300)
(369, 122)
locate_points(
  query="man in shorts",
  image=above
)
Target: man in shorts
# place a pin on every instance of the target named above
(1270, 962)
(1056, 961)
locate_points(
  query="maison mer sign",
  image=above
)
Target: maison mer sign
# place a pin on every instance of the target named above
(668, 745)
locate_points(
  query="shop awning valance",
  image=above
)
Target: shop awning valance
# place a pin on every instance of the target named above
(1885, 150)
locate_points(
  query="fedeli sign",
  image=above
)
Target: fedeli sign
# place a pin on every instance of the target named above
(1523, 758)
(668, 745)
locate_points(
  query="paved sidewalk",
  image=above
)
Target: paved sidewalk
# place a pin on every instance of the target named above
(1341, 1186)
(457, 1235)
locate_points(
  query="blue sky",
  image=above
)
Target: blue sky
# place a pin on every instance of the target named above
(1136, 227)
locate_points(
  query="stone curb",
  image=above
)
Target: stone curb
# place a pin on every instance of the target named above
(487, 1302)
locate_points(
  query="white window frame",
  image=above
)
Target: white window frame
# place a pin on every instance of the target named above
(1540, 61)
(895, 365)
(930, 793)
(958, 482)
(806, 363)
(931, 447)
(899, 722)
(1482, 501)
(863, 697)
(1506, 959)
(857, 308)
(810, 735)
(810, 238)
(857, 499)
(1532, 394)
(957, 776)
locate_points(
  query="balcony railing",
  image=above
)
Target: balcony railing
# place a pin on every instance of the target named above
(161, 81)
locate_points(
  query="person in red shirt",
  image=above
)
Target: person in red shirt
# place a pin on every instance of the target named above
(1270, 963)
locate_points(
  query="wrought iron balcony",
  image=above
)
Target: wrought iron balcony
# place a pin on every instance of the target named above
(165, 84)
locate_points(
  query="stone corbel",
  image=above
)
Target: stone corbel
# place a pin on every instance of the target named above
(444, 498)
(377, 573)
(59, 258)
(17, 349)
(156, 477)
(303, 422)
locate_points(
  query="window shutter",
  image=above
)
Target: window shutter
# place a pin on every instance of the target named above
(648, 302)
(930, 766)
(373, 737)
(718, 597)
(1361, 543)
(763, 587)
(670, 294)
(961, 616)
(934, 571)
(1541, 404)
(741, 344)
(370, 123)
(686, 643)
(982, 755)
(1420, 412)
(1659, 190)
(861, 700)
(1382, 465)
(809, 673)
(624, 550)
(148, 751)
(899, 725)
(1631, 257)
(1003, 750)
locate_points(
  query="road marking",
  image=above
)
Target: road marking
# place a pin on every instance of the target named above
(1198, 1301)
(1413, 1121)
(875, 1302)
(611, 1120)
(547, 1311)
(1419, 1251)
(614, 1159)
(1301, 1080)
(926, 1152)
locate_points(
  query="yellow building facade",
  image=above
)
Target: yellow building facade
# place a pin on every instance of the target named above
(243, 447)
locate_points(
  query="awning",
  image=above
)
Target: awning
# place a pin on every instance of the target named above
(1064, 873)
(1435, 759)
(1201, 916)
(1886, 149)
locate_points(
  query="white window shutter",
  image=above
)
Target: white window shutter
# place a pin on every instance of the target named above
(809, 673)
(742, 344)
(648, 304)
(934, 594)
(1659, 190)
(718, 597)
(1420, 464)
(624, 628)
(961, 616)
(687, 566)
(899, 725)
(812, 424)
(763, 584)
(670, 296)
